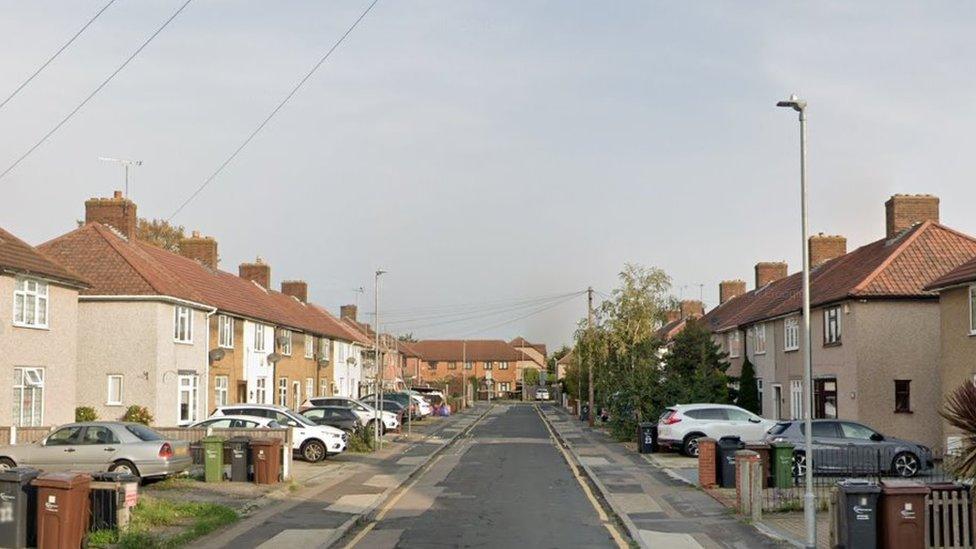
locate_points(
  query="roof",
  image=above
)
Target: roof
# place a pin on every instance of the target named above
(408, 348)
(470, 349)
(567, 358)
(521, 342)
(960, 275)
(20, 257)
(114, 265)
(902, 267)
(670, 329)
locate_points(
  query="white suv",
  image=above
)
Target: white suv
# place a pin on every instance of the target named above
(313, 442)
(681, 426)
(363, 410)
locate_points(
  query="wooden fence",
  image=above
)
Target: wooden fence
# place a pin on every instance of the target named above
(948, 522)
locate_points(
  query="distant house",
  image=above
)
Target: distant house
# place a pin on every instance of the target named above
(38, 335)
(534, 356)
(494, 363)
(564, 363)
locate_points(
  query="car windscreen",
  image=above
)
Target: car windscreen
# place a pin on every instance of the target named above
(143, 433)
(779, 428)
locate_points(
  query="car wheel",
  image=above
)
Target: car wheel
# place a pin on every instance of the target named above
(124, 466)
(799, 464)
(690, 445)
(313, 451)
(905, 465)
(6, 463)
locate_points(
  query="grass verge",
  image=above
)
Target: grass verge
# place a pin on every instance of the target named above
(161, 523)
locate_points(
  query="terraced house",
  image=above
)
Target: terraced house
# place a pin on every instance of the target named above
(38, 335)
(493, 362)
(875, 324)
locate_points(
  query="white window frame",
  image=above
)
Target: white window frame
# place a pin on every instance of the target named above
(759, 389)
(22, 384)
(283, 391)
(796, 399)
(225, 331)
(759, 338)
(309, 346)
(309, 387)
(972, 310)
(286, 346)
(296, 398)
(33, 295)
(261, 390)
(221, 390)
(183, 324)
(193, 392)
(324, 385)
(259, 337)
(832, 337)
(733, 342)
(108, 389)
(791, 334)
(503, 365)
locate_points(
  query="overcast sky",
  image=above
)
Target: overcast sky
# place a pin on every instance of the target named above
(494, 151)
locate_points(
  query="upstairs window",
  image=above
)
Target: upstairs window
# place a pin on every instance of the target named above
(452, 365)
(183, 325)
(225, 332)
(432, 365)
(759, 333)
(503, 365)
(286, 342)
(324, 351)
(309, 346)
(259, 337)
(791, 334)
(30, 303)
(832, 326)
(733, 343)
(903, 396)
(469, 365)
(488, 365)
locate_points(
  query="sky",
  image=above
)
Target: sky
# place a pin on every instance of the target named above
(492, 155)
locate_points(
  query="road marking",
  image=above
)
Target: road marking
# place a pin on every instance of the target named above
(604, 518)
(297, 538)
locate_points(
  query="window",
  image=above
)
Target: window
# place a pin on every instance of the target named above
(718, 414)
(143, 433)
(452, 365)
(220, 390)
(64, 437)
(296, 389)
(99, 435)
(114, 390)
(183, 325)
(759, 332)
(504, 386)
(503, 365)
(759, 389)
(259, 337)
(28, 397)
(324, 351)
(188, 398)
(733, 344)
(903, 396)
(832, 326)
(856, 430)
(791, 334)
(432, 365)
(30, 303)
(323, 387)
(309, 346)
(261, 390)
(283, 391)
(972, 310)
(738, 415)
(488, 365)
(469, 365)
(309, 387)
(823, 429)
(796, 399)
(286, 342)
(225, 332)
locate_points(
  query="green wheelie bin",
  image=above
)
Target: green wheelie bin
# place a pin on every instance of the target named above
(213, 458)
(782, 464)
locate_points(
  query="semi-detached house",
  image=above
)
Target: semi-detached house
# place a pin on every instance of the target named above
(875, 325)
(38, 336)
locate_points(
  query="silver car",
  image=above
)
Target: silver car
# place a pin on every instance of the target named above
(102, 446)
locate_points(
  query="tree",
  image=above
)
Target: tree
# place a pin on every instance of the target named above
(160, 233)
(748, 389)
(695, 367)
(556, 356)
(530, 376)
(407, 337)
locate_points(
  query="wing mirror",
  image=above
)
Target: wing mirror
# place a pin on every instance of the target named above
(754, 420)
(877, 437)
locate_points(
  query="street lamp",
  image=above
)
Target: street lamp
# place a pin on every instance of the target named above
(809, 511)
(376, 358)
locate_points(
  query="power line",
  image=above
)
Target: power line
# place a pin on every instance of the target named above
(95, 91)
(470, 310)
(516, 319)
(56, 54)
(267, 119)
(473, 304)
(491, 314)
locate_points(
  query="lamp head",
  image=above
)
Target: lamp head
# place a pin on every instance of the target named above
(794, 103)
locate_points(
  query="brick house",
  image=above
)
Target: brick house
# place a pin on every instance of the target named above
(533, 356)
(875, 325)
(494, 360)
(38, 335)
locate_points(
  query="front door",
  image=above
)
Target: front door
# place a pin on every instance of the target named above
(825, 398)
(777, 401)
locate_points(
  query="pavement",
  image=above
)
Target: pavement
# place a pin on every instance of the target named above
(658, 508)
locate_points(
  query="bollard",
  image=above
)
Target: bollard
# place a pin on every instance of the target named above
(707, 462)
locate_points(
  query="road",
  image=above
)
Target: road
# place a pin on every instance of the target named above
(505, 484)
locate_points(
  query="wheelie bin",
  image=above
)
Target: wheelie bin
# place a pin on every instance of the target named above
(857, 514)
(266, 456)
(782, 459)
(110, 496)
(18, 507)
(240, 458)
(62, 509)
(585, 412)
(727, 447)
(647, 442)
(213, 458)
(903, 514)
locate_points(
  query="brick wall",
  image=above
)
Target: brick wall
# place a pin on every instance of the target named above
(200, 248)
(117, 212)
(824, 247)
(769, 271)
(727, 289)
(707, 462)
(259, 272)
(904, 210)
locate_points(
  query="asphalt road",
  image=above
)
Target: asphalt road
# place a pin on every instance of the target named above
(504, 485)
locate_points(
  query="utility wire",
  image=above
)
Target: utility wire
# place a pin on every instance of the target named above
(481, 310)
(56, 54)
(95, 91)
(516, 319)
(274, 111)
(472, 305)
(490, 314)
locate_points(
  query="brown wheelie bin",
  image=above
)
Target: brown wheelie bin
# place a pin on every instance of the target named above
(902, 514)
(62, 509)
(266, 459)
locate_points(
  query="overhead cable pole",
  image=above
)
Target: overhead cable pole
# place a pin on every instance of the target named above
(378, 375)
(589, 333)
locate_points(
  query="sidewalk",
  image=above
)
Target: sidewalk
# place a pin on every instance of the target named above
(334, 497)
(657, 509)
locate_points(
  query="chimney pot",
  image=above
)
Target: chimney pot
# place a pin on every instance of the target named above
(902, 211)
(824, 247)
(769, 271)
(117, 194)
(348, 312)
(117, 212)
(200, 248)
(259, 272)
(727, 289)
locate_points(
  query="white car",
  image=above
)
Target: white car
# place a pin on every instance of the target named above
(363, 410)
(542, 394)
(423, 407)
(313, 442)
(681, 426)
(237, 422)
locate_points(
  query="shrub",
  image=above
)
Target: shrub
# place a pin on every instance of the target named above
(361, 441)
(85, 413)
(138, 414)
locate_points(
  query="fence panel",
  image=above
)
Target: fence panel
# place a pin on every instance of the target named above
(29, 435)
(947, 519)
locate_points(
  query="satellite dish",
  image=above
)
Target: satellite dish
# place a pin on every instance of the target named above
(351, 361)
(216, 354)
(273, 358)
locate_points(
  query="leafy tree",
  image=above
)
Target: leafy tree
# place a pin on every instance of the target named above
(160, 233)
(556, 356)
(530, 376)
(695, 367)
(407, 337)
(748, 389)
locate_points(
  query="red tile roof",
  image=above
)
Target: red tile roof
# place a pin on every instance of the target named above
(117, 266)
(962, 274)
(902, 267)
(20, 257)
(522, 342)
(471, 349)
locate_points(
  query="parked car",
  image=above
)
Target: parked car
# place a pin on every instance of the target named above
(424, 407)
(102, 446)
(418, 407)
(542, 393)
(680, 427)
(313, 442)
(237, 422)
(363, 409)
(339, 417)
(433, 396)
(848, 447)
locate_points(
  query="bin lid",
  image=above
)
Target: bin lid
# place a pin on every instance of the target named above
(239, 438)
(757, 446)
(903, 487)
(265, 442)
(213, 439)
(730, 442)
(61, 480)
(782, 444)
(858, 486)
(19, 474)
(114, 476)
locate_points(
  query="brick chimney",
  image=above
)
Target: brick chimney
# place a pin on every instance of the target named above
(117, 212)
(200, 248)
(905, 210)
(727, 289)
(296, 288)
(348, 312)
(824, 247)
(692, 308)
(769, 271)
(259, 272)
(672, 315)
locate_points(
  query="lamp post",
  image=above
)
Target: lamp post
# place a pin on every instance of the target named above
(377, 358)
(809, 510)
